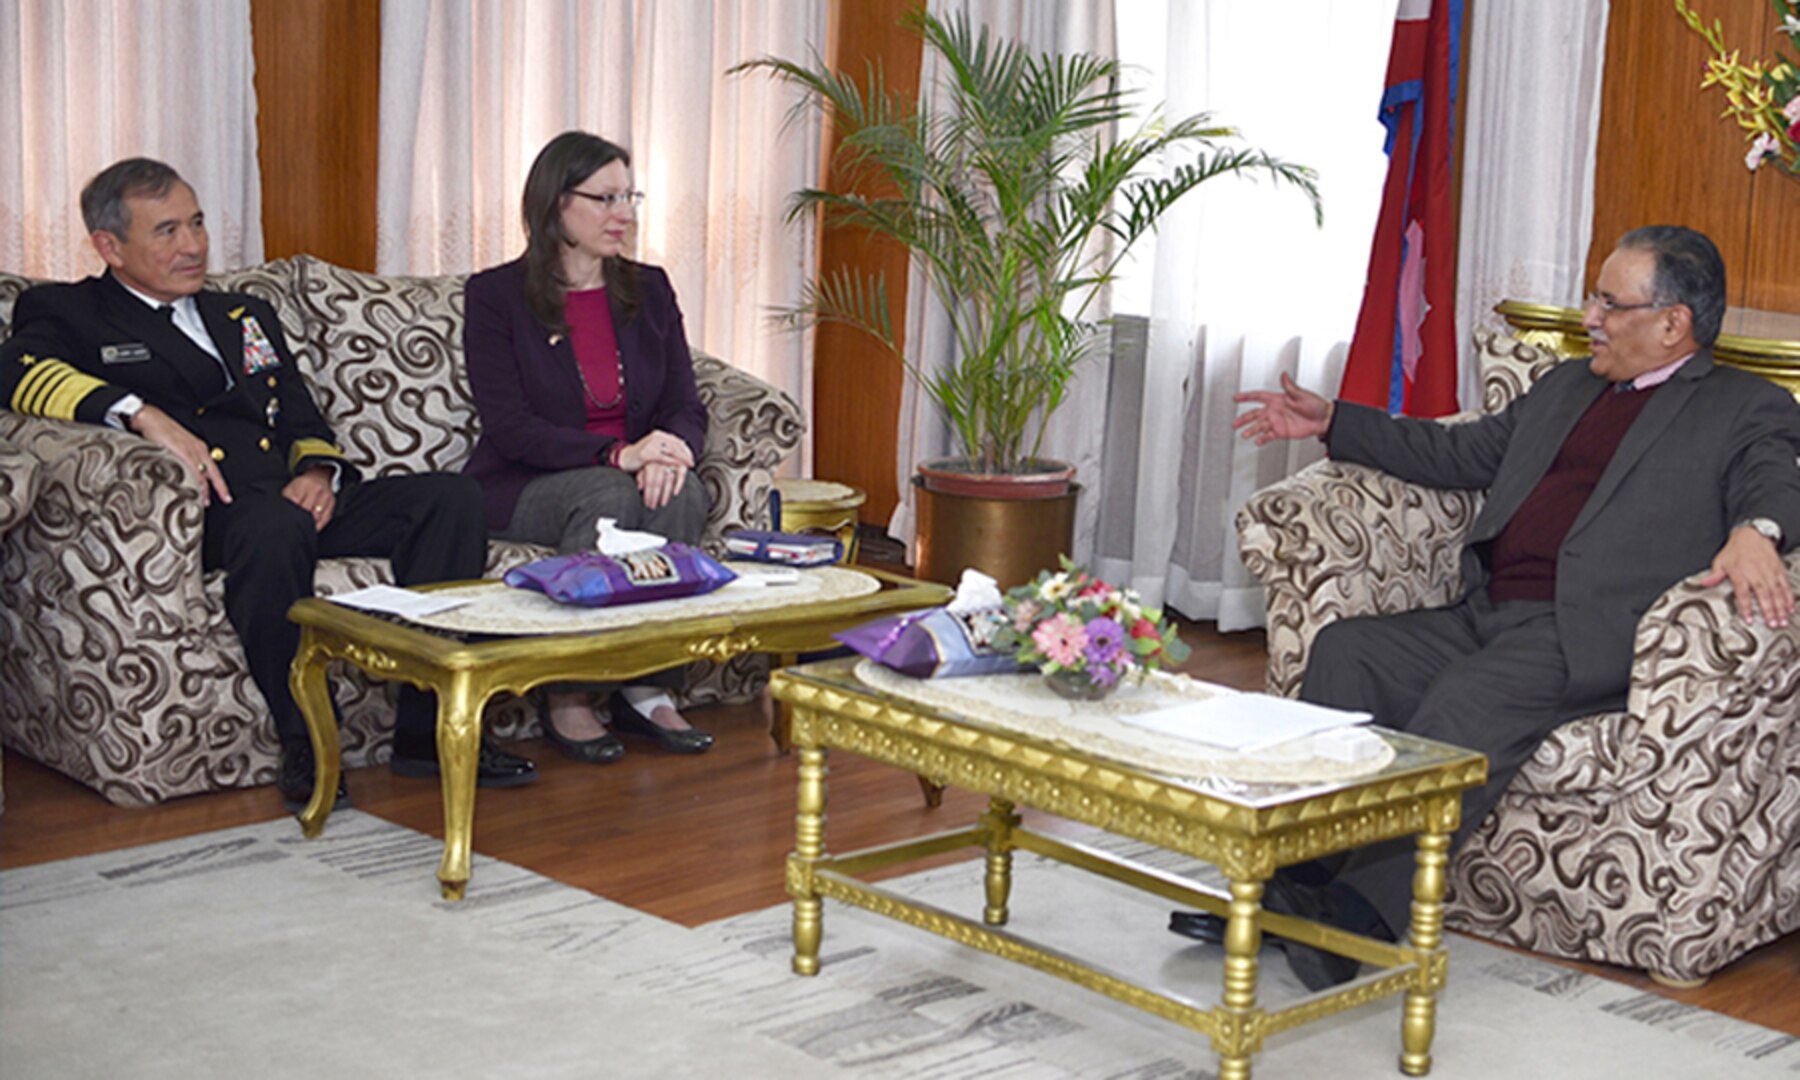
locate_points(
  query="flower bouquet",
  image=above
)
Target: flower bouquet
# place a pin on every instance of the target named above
(1085, 635)
(1763, 96)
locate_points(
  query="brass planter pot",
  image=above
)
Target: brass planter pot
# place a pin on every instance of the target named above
(1008, 539)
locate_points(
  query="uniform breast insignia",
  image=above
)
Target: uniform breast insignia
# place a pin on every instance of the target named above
(259, 355)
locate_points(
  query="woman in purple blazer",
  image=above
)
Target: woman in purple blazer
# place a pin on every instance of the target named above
(584, 383)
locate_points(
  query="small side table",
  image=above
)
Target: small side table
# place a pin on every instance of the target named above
(821, 506)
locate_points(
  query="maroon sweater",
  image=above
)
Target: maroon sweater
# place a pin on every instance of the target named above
(1522, 559)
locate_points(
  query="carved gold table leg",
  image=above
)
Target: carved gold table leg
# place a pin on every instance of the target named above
(809, 847)
(1240, 1033)
(1419, 1020)
(306, 681)
(780, 713)
(1000, 821)
(459, 754)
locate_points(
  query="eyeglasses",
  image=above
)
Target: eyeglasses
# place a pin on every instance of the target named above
(614, 200)
(1609, 306)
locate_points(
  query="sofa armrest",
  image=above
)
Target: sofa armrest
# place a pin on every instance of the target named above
(118, 510)
(752, 427)
(1711, 696)
(1336, 540)
(18, 483)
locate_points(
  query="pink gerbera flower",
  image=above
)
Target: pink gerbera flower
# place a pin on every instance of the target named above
(1060, 640)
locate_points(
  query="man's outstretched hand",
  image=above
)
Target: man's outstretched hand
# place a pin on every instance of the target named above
(1292, 413)
(1759, 581)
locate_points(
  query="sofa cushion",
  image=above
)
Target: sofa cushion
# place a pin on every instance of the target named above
(394, 390)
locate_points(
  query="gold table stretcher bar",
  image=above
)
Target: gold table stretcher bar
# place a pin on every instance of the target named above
(465, 674)
(1418, 793)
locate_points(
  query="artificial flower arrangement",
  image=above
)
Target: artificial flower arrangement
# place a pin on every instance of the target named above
(1762, 96)
(1084, 634)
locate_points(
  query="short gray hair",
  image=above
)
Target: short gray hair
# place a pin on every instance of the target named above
(103, 206)
(1688, 271)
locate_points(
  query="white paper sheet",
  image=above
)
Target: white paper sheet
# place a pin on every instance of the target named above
(1245, 722)
(392, 600)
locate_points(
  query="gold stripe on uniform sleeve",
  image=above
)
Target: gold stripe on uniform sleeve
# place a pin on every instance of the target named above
(53, 389)
(305, 448)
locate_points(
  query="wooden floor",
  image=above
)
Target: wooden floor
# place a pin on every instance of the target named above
(692, 839)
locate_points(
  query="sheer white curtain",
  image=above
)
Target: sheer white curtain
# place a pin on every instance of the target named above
(1077, 431)
(1533, 119)
(1242, 286)
(84, 83)
(472, 89)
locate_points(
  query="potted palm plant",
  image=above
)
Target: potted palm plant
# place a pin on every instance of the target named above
(1019, 193)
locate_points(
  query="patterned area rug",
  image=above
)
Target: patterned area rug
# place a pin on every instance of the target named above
(250, 951)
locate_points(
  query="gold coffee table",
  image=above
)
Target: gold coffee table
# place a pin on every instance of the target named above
(466, 671)
(1247, 830)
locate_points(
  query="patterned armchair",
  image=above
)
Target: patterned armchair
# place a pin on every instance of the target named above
(1665, 837)
(18, 488)
(117, 666)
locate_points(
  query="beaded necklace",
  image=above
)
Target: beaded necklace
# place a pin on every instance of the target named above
(603, 406)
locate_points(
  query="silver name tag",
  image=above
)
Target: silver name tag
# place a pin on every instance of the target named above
(132, 352)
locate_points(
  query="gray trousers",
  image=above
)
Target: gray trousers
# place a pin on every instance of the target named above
(1477, 674)
(559, 510)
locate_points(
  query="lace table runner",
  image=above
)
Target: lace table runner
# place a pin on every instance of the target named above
(1024, 705)
(500, 609)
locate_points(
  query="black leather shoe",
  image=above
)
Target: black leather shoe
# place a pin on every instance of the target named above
(495, 769)
(674, 740)
(599, 751)
(294, 781)
(1205, 927)
(1315, 968)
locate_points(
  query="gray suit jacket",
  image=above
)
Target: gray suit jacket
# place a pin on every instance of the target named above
(1713, 447)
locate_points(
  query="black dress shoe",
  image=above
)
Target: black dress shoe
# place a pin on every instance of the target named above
(599, 751)
(294, 781)
(1314, 967)
(495, 768)
(1205, 927)
(674, 740)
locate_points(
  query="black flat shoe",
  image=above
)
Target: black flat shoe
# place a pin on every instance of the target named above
(295, 781)
(601, 751)
(495, 767)
(675, 741)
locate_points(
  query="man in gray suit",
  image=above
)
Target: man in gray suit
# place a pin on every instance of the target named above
(1607, 483)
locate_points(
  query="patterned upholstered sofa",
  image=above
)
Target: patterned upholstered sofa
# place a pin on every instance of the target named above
(18, 489)
(117, 666)
(1665, 837)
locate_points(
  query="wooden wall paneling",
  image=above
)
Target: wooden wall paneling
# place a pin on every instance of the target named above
(318, 86)
(856, 381)
(1667, 157)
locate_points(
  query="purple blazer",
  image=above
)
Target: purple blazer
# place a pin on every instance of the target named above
(527, 391)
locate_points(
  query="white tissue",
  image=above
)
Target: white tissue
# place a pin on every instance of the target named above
(1352, 746)
(609, 539)
(975, 592)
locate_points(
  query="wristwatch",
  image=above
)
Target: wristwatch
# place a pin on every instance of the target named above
(1766, 526)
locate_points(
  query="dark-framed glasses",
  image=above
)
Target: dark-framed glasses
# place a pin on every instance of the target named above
(614, 200)
(1608, 305)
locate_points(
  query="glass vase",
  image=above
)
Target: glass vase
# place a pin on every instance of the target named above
(1077, 686)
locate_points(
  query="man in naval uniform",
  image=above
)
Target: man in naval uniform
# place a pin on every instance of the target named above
(208, 375)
